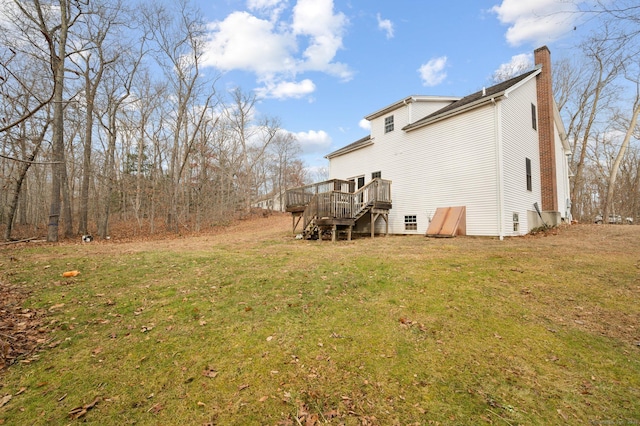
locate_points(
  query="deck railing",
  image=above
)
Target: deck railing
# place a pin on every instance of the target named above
(301, 196)
(338, 204)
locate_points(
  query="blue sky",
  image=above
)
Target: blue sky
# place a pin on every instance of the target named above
(322, 65)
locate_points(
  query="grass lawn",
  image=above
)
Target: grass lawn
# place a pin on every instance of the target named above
(251, 326)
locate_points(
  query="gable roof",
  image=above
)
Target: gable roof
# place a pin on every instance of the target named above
(473, 100)
(458, 106)
(408, 100)
(360, 143)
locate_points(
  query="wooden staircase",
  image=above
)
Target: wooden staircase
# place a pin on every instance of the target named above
(333, 206)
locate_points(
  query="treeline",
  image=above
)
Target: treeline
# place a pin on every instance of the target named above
(108, 113)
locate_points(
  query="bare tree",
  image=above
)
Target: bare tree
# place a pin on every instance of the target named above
(25, 164)
(180, 43)
(286, 151)
(631, 73)
(118, 85)
(95, 53)
(53, 23)
(587, 99)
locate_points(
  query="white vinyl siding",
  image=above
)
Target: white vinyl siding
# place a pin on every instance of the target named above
(520, 141)
(562, 177)
(427, 174)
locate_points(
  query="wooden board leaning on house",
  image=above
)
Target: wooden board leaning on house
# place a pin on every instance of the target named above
(448, 222)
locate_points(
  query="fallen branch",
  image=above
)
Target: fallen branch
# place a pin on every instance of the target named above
(26, 240)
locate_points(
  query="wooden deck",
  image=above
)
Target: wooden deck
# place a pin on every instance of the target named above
(334, 206)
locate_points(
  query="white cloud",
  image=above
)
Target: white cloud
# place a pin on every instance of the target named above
(271, 7)
(385, 25)
(316, 19)
(517, 65)
(245, 42)
(536, 21)
(286, 89)
(432, 73)
(277, 50)
(365, 124)
(314, 141)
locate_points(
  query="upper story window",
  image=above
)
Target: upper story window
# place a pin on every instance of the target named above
(388, 124)
(534, 120)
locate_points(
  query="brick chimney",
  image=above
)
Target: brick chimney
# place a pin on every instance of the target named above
(546, 134)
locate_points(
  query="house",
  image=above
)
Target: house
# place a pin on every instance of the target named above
(274, 201)
(500, 153)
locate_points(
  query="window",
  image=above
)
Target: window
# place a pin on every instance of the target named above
(411, 223)
(529, 180)
(516, 222)
(534, 121)
(376, 175)
(388, 124)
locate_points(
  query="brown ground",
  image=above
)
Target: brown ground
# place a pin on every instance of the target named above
(22, 332)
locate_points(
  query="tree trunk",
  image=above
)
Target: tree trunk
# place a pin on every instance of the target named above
(103, 226)
(616, 164)
(13, 202)
(83, 220)
(58, 168)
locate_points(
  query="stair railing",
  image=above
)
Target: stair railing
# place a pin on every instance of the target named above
(310, 212)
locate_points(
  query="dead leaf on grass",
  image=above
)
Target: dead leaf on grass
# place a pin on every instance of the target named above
(243, 387)
(5, 400)
(331, 414)
(563, 415)
(78, 412)
(155, 409)
(56, 306)
(210, 372)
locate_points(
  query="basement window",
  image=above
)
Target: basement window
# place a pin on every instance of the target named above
(516, 222)
(534, 120)
(388, 124)
(411, 223)
(529, 178)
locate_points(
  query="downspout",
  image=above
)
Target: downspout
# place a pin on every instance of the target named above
(497, 121)
(409, 111)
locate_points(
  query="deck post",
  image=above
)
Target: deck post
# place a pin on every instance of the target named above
(349, 233)
(373, 224)
(296, 222)
(334, 233)
(386, 220)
